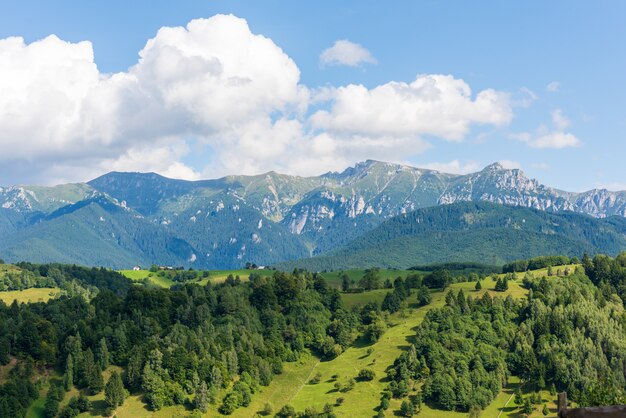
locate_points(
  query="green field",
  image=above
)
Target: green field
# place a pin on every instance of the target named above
(351, 300)
(8, 268)
(218, 276)
(215, 276)
(355, 275)
(43, 294)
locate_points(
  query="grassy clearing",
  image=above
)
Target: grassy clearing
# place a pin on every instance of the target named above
(135, 275)
(365, 397)
(43, 294)
(351, 300)
(8, 268)
(36, 408)
(355, 275)
(215, 276)
(283, 388)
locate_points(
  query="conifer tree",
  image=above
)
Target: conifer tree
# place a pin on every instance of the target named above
(68, 378)
(114, 392)
(201, 401)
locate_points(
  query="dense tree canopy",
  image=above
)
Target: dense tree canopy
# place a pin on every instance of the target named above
(567, 334)
(171, 343)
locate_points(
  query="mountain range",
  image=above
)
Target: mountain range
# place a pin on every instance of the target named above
(123, 219)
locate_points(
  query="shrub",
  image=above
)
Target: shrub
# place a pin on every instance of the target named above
(366, 375)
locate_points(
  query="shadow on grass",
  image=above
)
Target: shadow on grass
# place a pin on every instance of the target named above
(99, 408)
(362, 342)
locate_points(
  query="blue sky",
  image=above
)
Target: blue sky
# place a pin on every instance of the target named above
(569, 135)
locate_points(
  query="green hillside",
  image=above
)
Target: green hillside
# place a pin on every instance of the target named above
(96, 232)
(477, 232)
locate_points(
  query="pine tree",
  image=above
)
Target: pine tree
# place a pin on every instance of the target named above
(216, 377)
(51, 406)
(345, 282)
(552, 390)
(519, 398)
(545, 410)
(478, 285)
(68, 378)
(407, 409)
(104, 358)
(201, 401)
(114, 392)
(450, 299)
(528, 406)
(134, 370)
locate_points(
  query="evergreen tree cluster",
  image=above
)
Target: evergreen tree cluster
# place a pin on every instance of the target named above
(567, 335)
(537, 263)
(173, 343)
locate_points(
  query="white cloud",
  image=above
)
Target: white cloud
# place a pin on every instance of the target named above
(234, 94)
(554, 139)
(437, 105)
(207, 80)
(344, 52)
(553, 86)
(453, 167)
(559, 120)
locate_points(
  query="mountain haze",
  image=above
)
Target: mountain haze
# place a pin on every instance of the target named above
(121, 219)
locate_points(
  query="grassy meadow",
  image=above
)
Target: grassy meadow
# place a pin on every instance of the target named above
(165, 278)
(31, 295)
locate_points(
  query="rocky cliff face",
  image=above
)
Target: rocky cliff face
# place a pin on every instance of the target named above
(260, 214)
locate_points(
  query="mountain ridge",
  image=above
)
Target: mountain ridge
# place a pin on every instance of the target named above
(273, 217)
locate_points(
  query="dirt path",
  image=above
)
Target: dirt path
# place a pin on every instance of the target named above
(505, 405)
(305, 381)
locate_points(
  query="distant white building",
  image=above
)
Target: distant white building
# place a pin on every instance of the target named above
(137, 268)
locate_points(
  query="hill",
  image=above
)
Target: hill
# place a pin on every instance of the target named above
(477, 232)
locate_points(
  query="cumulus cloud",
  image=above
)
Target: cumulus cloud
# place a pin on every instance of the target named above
(555, 138)
(235, 95)
(453, 167)
(438, 105)
(208, 80)
(344, 52)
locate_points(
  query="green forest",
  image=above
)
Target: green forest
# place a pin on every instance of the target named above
(213, 348)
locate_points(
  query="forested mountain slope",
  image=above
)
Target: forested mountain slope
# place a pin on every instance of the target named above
(263, 219)
(479, 232)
